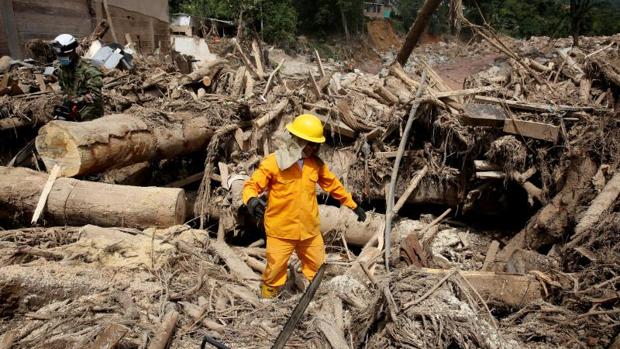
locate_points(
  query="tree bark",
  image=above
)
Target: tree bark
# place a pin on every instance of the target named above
(118, 140)
(75, 202)
(416, 30)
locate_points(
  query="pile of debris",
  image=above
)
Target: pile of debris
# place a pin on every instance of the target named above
(535, 136)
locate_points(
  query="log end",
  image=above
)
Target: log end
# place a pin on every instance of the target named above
(180, 209)
(57, 147)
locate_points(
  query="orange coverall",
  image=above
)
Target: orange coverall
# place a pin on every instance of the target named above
(292, 214)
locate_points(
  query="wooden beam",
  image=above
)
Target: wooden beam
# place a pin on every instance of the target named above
(465, 92)
(476, 114)
(484, 165)
(490, 256)
(337, 126)
(510, 289)
(531, 129)
(45, 193)
(392, 154)
(536, 107)
(490, 175)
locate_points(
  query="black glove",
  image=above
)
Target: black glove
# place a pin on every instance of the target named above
(361, 215)
(62, 111)
(256, 207)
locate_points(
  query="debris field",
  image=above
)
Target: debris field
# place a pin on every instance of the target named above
(504, 227)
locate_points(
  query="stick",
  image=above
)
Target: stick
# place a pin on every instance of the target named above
(246, 60)
(165, 331)
(317, 89)
(414, 184)
(401, 150)
(45, 193)
(272, 114)
(109, 17)
(430, 291)
(320, 64)
(256, 53)
(270, 80)
(286, 332)
(435, 222)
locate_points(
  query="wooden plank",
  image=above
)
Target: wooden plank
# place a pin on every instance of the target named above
(465, 92)
(45, 193)
(374, 134)
(510, 289)
(476, 114)
(10, 29)
(490, 256)
(223, 174)
(484, 165)
(392, 154)
(538, 130)
(490, 175)
(537, 107)
(41, 82)
(337, 126)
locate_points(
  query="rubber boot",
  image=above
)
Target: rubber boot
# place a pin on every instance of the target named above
(268, 292)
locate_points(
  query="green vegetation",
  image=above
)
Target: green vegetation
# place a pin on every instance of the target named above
(281, 20)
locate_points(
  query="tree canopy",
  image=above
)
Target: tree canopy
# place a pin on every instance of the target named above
(280, 20)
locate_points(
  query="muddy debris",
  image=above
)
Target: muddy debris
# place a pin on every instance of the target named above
(533, 142)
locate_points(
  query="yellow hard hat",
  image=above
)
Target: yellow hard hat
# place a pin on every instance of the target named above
(308, 127)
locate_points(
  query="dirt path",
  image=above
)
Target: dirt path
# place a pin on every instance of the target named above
(455, 71)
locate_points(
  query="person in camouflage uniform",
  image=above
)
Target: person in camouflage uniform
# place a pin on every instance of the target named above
(80, 81)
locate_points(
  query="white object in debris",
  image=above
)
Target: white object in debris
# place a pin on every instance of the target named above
(101, 55)
(114, 59)
(92, 50)
(192, 46)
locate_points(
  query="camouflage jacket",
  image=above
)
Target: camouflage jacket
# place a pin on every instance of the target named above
(80, 80)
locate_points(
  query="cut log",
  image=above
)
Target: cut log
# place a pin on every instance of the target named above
(509, 289)
(164, 334)
(75, 202)
(388, 96)
(271, 114)
(118, 140)
(110, 337)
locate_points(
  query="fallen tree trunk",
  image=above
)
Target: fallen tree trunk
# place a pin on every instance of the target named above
(75, 202)
(118, 140)
(417, 28)
(599, 205)
(551, 221)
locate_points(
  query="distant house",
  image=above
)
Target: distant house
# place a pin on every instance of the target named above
(379, 9)
(21, 20)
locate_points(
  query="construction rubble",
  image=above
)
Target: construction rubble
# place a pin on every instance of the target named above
(128, 231)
